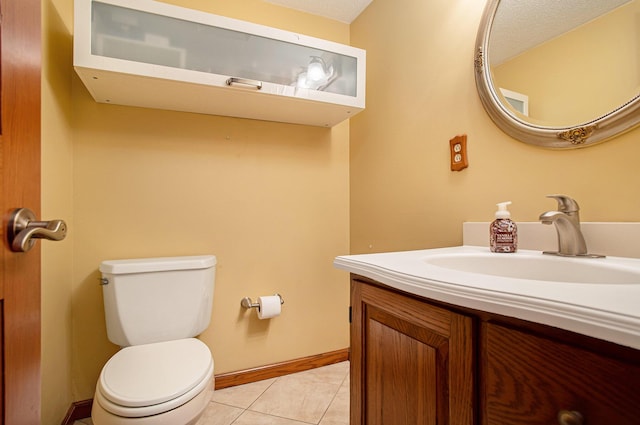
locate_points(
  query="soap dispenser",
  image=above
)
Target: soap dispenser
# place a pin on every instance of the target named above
(503, 232)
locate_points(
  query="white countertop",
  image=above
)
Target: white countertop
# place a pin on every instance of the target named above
(602, 310)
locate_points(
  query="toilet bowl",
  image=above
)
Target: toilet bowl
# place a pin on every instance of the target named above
(162, 375)
(161, 383)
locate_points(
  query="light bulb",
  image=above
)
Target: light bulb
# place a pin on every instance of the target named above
(315, 70)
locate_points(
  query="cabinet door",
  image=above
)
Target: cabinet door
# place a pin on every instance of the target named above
(529, 379)
(411, 362)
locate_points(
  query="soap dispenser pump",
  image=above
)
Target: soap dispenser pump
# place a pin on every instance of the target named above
(503, 232)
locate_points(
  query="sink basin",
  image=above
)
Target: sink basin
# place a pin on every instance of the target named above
(537, 266)
(597, 297)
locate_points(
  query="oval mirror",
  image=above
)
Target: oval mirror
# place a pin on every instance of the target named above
(560, 74)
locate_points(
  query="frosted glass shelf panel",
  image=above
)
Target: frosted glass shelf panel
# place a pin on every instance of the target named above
(151, 39)
(129, 34)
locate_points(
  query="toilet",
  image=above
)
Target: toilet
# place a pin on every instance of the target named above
(154, 309)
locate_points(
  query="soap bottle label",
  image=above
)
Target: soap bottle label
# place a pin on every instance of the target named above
(503, 236)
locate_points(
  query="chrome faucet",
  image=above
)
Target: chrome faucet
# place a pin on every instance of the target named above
(567, 221)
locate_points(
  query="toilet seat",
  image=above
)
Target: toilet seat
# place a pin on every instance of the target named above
(150, 379)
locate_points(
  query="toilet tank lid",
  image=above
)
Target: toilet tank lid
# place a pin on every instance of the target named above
(158, 264)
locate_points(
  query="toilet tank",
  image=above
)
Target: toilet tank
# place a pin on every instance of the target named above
(157, 299)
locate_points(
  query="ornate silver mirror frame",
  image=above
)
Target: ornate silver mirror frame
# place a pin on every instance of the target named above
(609, 125)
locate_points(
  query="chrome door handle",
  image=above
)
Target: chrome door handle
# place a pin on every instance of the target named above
(23, 229)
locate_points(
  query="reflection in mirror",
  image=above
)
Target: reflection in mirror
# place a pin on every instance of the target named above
(517, 101)
(543, 55)
(573, 63)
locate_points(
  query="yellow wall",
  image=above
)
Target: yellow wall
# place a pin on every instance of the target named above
(421, 93)
(57, 202)
(270, 200)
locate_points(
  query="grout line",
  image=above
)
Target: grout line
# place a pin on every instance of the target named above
(334, 397)
(254, 401)
(262, 393)
(273, 416)
(283, 417)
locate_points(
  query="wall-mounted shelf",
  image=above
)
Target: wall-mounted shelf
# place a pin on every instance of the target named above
(155, 55)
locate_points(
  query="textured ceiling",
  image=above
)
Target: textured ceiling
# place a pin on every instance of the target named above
(520, 25)
(339, 10)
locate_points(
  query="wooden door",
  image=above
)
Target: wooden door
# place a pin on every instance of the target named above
(20, 58)
(411, 362)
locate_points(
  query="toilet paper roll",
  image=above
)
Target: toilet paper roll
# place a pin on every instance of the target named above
(269, 307)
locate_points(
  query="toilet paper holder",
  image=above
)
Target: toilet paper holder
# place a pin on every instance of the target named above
(247, 303)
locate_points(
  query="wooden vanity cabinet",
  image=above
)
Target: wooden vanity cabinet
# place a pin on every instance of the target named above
(529, 379)
(418, 362)
(411, 363)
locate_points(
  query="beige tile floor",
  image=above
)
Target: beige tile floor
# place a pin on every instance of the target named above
(318, 396)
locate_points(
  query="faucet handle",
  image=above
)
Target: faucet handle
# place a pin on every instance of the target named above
(565, 203)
